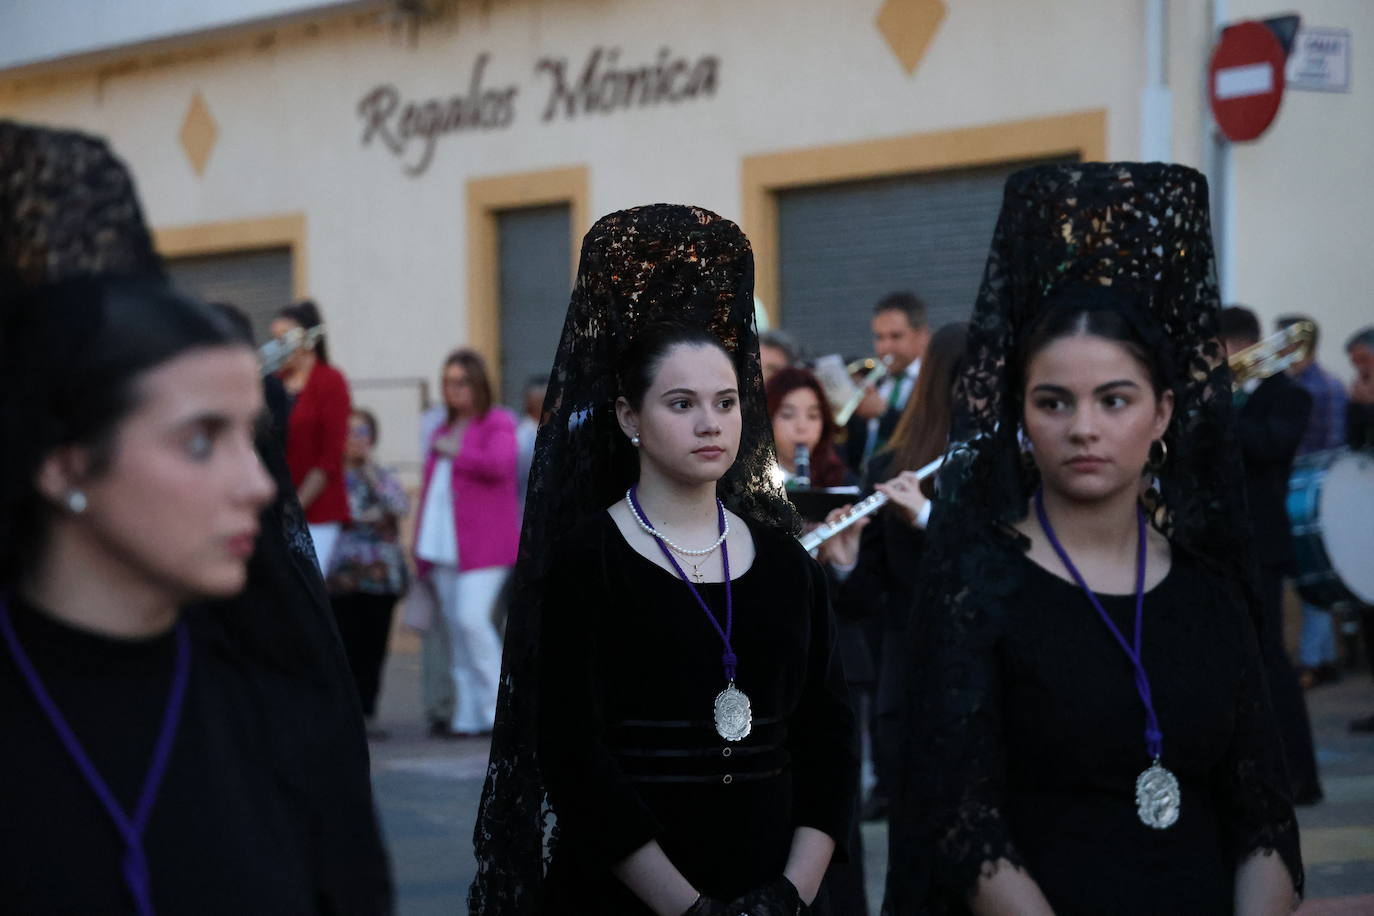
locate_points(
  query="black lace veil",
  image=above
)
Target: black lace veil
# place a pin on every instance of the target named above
(69, 214)
(1140, 236)
(638, 267)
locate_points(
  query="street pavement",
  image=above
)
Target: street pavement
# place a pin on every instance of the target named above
(427, 792)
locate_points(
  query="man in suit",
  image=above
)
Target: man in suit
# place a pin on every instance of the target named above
(900, 333)
(1270, 422)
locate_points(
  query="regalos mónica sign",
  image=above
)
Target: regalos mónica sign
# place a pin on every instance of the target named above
(410, 129)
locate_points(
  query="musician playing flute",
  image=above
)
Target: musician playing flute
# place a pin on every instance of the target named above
(670, 687)
(1087, 728)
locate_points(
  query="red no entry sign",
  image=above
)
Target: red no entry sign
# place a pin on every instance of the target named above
(1245, 80)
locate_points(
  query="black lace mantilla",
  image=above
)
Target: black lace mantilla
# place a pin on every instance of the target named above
(1139, 233)
(638, 267)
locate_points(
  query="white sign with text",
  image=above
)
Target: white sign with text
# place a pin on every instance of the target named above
(1320, 61)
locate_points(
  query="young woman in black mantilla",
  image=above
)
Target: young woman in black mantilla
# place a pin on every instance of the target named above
(182, 735)
(670, 679)
(1088, 726)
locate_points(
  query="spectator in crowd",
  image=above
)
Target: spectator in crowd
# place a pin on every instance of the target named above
(468, 531)
(437, 696)
(317, 429)
(527, 430)
(368, 574)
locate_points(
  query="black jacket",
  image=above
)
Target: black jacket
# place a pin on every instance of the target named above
(1269, 426)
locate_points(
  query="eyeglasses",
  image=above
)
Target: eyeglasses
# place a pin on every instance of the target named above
(457, 382)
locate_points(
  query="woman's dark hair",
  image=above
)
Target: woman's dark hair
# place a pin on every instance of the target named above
(472, 363)
(1110, 313)
(644, 357)
(370, 419)
(71, 359)
(922, 433)
(307, 314)
(827, 470)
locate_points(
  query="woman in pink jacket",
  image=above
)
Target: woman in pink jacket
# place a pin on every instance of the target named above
(468, 531)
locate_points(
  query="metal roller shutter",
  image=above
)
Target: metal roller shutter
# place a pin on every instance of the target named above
(535, 254)
(842, 247)
(258, 282)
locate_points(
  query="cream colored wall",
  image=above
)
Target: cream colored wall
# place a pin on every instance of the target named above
(387, 252)
(1304, 207)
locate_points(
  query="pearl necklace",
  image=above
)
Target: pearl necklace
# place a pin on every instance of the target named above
(654, 533)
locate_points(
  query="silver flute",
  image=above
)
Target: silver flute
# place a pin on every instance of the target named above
(863, 508)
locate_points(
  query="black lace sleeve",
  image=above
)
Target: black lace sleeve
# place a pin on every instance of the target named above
(952, 787)
(1254, 783)
(587, 791)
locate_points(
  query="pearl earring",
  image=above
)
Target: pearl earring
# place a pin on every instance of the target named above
(76, 502)
(634, 440)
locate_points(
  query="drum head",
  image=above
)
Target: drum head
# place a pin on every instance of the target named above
(1347, 519)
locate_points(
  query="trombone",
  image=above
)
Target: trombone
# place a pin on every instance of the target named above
(1273, 354)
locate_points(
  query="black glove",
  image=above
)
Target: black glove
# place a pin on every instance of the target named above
(707, 906)
(778, 897)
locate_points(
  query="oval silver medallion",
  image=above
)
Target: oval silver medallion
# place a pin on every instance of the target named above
(734, 718)
(1157, 797)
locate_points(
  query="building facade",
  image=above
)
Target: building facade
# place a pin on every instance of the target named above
(424, 169)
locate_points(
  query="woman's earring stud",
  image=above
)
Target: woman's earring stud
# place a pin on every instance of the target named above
(76, 501)
(634, 440)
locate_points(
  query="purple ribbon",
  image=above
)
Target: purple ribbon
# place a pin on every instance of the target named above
(1154, 738)
(135, 864)
(728, 657)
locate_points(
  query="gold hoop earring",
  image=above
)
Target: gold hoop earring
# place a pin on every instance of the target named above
(1163, 453)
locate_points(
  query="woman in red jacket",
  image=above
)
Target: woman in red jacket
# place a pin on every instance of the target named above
(317, 431)
(468, 531)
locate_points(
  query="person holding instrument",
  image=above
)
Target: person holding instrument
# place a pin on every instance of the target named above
(1087, 727)
(801, 416)
(1271, 415)
(879, 571)
(670, 685)
(181, 733)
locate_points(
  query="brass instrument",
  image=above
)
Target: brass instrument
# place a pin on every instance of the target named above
(1273, 354)
(875, 370)
(274, 354)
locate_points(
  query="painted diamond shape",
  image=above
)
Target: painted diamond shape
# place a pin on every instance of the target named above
(198, 133)
(908, 26)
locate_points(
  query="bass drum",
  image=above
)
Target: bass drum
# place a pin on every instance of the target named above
(1331, 508)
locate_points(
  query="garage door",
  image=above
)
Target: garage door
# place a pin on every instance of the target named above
(259, 282)
(842, 247)
(535, 254)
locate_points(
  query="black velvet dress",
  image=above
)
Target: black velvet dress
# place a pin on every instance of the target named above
(1053, 747)
(232, 830)
(629, 668)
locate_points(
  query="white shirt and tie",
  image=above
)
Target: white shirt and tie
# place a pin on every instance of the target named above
(894, 391)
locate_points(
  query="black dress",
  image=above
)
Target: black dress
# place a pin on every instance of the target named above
(629, 667)
(231, 831)
(1054, 743)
